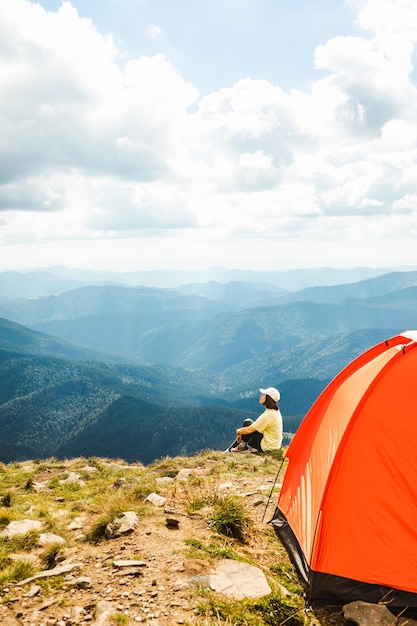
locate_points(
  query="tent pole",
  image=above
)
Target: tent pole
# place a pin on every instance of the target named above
(273, 487)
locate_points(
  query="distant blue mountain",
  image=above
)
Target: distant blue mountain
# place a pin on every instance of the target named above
(41, 282)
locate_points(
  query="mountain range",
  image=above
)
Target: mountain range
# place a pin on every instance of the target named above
(141, 372)
(38, 282)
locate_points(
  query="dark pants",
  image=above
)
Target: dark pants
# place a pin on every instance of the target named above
(253, 440)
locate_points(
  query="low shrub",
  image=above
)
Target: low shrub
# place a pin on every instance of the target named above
(227, 514)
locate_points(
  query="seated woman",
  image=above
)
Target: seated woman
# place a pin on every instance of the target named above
(265, 433)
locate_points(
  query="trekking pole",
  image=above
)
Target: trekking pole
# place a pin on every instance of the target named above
(229, 447)
(273, 487)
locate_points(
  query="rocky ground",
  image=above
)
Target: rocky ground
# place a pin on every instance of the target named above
(86, 563)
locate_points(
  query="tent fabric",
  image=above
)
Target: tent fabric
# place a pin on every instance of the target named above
(347, 510)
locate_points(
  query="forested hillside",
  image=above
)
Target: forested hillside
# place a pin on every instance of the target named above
(18, 338)
(57, 407)
(52, 406)
(226, 340)
(157, 372)
(320, 358)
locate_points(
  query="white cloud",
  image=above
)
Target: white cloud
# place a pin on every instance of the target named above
(154, 32)
(93, 145)
(390, 21)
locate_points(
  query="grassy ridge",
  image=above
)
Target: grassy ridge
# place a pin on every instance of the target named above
(215, 499)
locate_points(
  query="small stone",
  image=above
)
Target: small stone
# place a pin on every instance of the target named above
(129, 571)
(169, 510)
(82, 582)
(47, 539)
(105, 611)
(76, 615)
(76, 524)
(225, 486)
(128, 563)
(156, 499)
(33, 591)
(164, 480)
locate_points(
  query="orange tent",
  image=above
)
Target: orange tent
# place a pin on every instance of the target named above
(347, 510)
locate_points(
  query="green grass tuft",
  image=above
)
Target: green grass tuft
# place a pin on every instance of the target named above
(228, 515)
(275, 609)
(15, 571)
(197, 549)
(7, 500)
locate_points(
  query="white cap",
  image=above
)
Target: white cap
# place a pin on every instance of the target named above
(272, 393)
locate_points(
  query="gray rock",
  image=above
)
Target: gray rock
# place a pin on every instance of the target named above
(184, 473)
(236, 580)
(89, 469)
(39, 486)
(104, 614)
(77, 523)
(47, 539)
(120, 563)
(123, 525)
(82, 582)
(156, 499)
(33, 591)
(367, 614)
(76, 616)
(72, 477)
(20, 527)
(56, 571)
(177, 567)
(164, 480)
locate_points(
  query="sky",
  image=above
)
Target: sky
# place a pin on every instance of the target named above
(186, 134)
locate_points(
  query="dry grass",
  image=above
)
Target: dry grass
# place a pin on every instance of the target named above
(198, 486)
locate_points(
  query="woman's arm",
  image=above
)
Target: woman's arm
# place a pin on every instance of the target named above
(244, 430)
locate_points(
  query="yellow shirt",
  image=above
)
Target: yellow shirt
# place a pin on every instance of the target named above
(270, 425)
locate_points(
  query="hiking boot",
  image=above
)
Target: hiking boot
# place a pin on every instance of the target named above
(241, 447)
